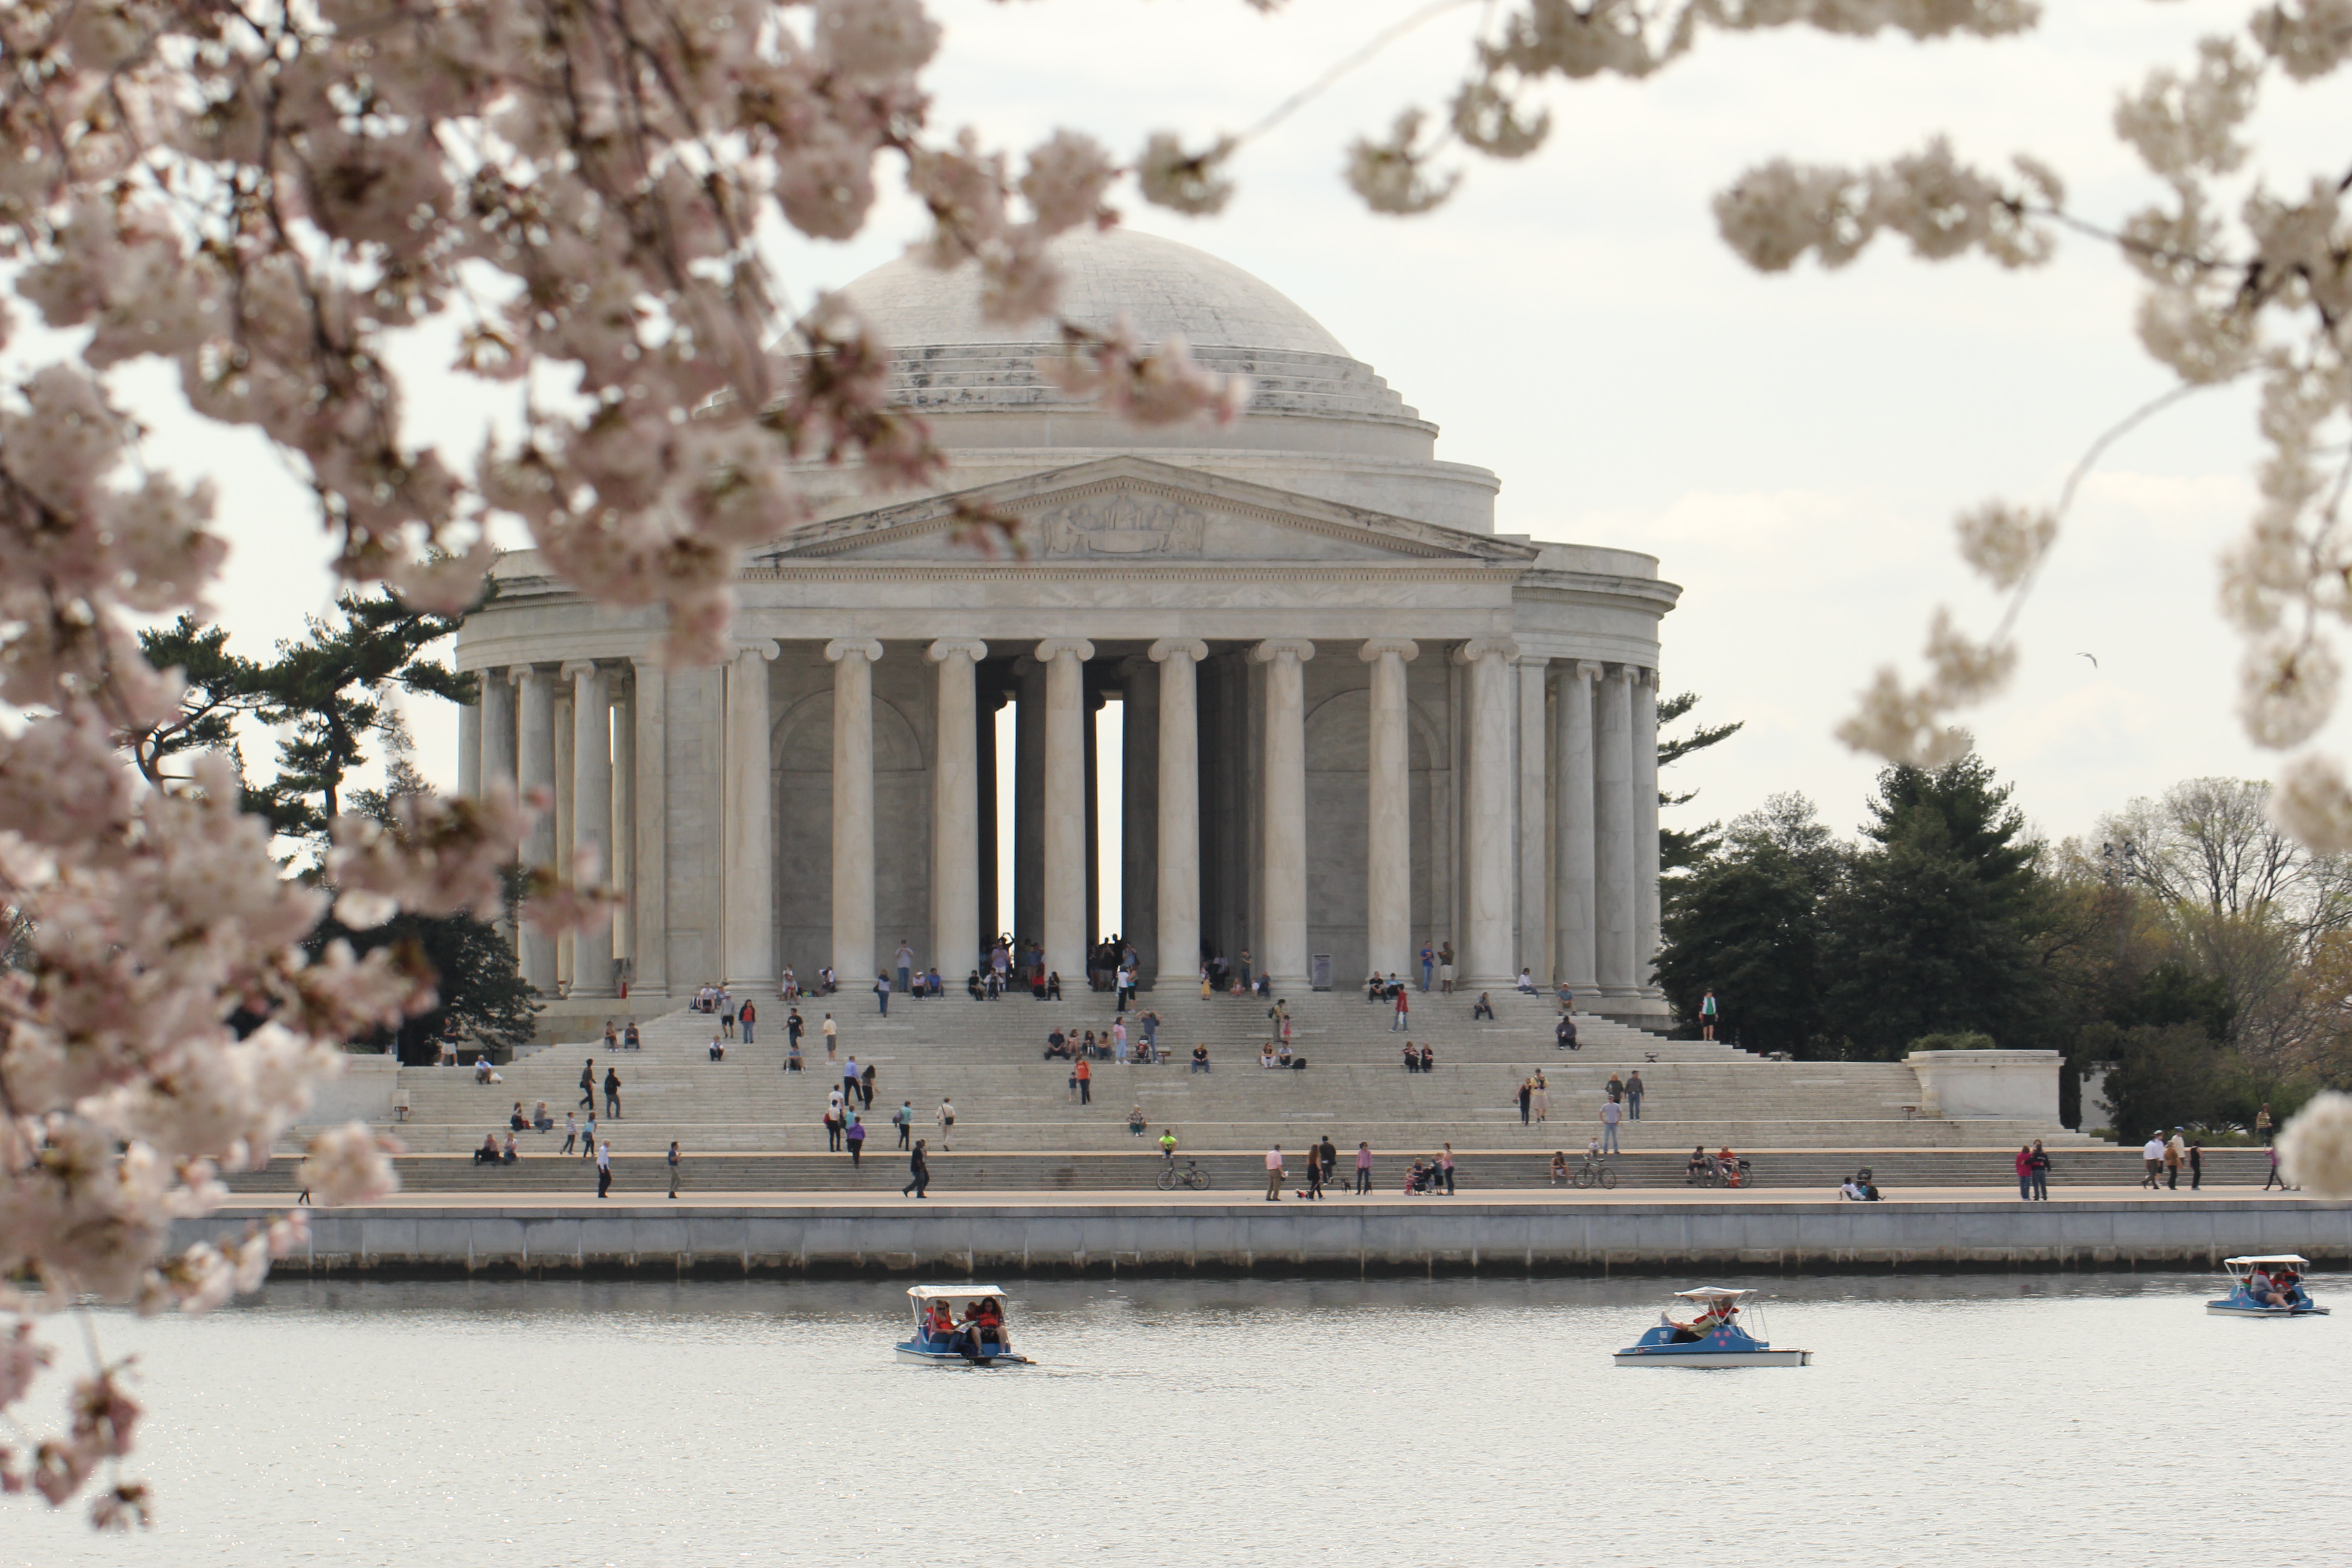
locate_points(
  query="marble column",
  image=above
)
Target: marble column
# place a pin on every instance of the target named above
(567, 945)
(1282, 941)
(1065, 827)
(649, 866)
(1614, 905)
(592, 812)
(1180, 806)
(1388, 847)
(749, 914)
(498, 728)
(625, 830)
(1028, 806)
(853, 809)
(955, 810)
(535, 768)
(469, 744)
(1139, 824)
(1487, 837)
(1645, 828)
(1533, 873)
(1573, 855)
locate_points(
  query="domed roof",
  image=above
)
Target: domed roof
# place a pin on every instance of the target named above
(948, 362)
(1162, 286)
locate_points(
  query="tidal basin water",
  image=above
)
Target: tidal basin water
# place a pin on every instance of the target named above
(2099, 1420)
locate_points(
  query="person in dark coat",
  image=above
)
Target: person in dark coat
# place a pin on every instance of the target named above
(920, 1169)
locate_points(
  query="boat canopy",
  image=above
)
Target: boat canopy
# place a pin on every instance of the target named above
(1712, 1293)
(953, 1292)
(2254, 1257)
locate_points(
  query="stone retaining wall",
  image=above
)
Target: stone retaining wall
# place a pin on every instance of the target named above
(1361, 1239)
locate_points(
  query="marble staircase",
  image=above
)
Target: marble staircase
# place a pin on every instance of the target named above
(988, 1058)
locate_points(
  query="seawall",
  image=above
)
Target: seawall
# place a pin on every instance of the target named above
(1054, 1239)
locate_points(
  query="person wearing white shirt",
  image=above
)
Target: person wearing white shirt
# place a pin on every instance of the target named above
(2152, 1154)
(1274, 1174)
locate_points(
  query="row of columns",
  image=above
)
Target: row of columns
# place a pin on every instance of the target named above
(1594, 810)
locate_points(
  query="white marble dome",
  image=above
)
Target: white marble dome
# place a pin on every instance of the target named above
(1164, 286)
(1320, 421)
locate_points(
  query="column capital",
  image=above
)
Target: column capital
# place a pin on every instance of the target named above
(1267, 652)
(573, 668)
(766, 648)
(518, 673)
(1167, 649)
(946, 648)
(867, 648)
(1051, 648)
(1581, 669)
(1404, 648)
(1478, 648)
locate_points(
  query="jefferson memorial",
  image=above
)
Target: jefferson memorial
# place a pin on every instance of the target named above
(1357, 719)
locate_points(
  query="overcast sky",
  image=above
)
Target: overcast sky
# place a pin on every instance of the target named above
(1792, 448)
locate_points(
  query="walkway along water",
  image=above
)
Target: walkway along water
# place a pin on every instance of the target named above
(1500, 1236)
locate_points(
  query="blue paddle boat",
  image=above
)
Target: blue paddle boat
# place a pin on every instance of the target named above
(2267, 1285)
(1723, 1334)
(941, 1339)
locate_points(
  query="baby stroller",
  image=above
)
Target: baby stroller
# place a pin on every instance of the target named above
(1423, 1178)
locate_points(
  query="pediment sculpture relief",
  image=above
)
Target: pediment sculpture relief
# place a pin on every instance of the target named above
(1122, 524)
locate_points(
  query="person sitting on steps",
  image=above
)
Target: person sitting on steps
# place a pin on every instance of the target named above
(1428, 1059)
(1484, 1009)
(1411, 1058)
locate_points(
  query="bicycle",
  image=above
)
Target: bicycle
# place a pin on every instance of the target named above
(1191, 1176)
(1592, 1172)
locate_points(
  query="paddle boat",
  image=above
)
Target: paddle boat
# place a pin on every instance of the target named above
(929, 1347)
(2256, 1278)
(1724, 1333)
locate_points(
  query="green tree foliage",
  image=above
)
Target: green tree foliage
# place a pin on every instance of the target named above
(1679, 849)
(329, 696)
(1747, 922)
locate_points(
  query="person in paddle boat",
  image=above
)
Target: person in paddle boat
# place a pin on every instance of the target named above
(1719, 1313)
(939, 1324)
(983, 1327)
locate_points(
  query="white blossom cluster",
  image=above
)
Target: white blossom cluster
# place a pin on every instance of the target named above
(260, 196)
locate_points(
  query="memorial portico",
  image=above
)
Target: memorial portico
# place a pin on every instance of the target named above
(1357, 718)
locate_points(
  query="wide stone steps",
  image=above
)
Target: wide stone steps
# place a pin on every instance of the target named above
(884, 1169)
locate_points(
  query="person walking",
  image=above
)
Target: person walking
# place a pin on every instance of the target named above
(2176, 1149)
(1314, 1191)
(1609, 1113)
(849, 1079)
(882, 992)
(612, 1093)
(1274, 1174)
(2041, 1172)
(1634, 1092)
(570, 1133)
(794, 1027)
(1527, 1099)
(856, 1138)
(1706, 1014)
(831, 1036)
(2151, 1154)
(905, 959)
(1118, 1040)
(2274, 1177)
(603, 1169)
(1445, 1167)
(2196, 1166)
(1402, 1018)
(2024, 1164)
(673, 1167)
(1616, 1088)
(1328, 1156)
(588, 1084)
(1085, 1074)
(1542, 1098)
(866, 1086)
(920, 1168)
(588, 1144)
(749, 1015)
(903, 1118)
(945, 1116)
(726, 1023)
(1363, 1169)
(833, 1122)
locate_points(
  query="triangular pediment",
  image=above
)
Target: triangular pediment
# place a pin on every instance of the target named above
(1134, 511)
